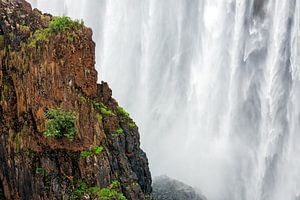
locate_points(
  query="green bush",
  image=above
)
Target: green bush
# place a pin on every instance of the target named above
(99, 118)
(85, 154)
(60, 124)
(103, 109)
(106, 111)
(107, 193)
(58, 24)
(81, 188)
(131, 125)
(123, 112)
(96, 150)
(64, 23)
(38, 37)
(120, 131)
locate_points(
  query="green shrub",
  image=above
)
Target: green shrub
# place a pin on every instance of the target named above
(58, 24)
(115, 184)
(82, 187)
(24, 29)
(41, 171)
(85, 154)
(131, 125)
(110, 192)
(120, 131)
(99, 118)
(64, 23)
(96, 150)
(107, 193)
(60, 124)
(82, 99)
(38, 37)
(123, 112)
(106, 111)
(97, 105)
(103, 109)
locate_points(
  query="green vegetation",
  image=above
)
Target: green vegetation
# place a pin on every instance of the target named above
(120, 131)
(106, 111)
(115, 184)
(99, 118)
(41, 171)
(103, 109)
(38, 37)
(82, 99)
(123, 112)
(60, 124)
(85, 154)
(96, 150)
(64, 23)
(111, 192)
(81, 188)
(24, 29)
(131, 125)
(57, 24)
(107, 193)
(97, 105)
(1, 41)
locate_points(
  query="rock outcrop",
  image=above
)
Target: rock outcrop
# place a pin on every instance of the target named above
(46, 68)
(165, 188)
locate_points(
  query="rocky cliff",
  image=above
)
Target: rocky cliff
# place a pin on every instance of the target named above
(165, 188)
(62, 135)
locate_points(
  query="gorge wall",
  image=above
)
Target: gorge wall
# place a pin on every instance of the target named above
(43, 69)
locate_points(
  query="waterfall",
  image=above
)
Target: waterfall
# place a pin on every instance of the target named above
(214, 86)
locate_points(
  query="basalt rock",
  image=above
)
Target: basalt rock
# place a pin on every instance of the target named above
(165, 188)
(57, 72)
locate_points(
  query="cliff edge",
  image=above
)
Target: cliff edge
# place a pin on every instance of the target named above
(62, 135)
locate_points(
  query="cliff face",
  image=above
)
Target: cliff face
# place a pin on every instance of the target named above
(44, 69)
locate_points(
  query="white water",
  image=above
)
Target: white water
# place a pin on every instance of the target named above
(213, 84)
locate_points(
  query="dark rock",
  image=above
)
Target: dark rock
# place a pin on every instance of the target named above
(165, 188)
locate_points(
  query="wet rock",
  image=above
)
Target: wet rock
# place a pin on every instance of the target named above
(165, 188)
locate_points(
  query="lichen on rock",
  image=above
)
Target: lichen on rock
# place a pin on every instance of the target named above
(47, 64)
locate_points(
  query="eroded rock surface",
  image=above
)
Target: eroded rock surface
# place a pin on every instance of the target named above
(58, 72)
(165, 188)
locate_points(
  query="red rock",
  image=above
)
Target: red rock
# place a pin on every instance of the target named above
(59, 73)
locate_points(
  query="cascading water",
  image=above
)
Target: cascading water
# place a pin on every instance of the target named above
(213, 84)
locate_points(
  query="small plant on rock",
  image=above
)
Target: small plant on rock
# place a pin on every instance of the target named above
(60, 124)
(106, 111)
(131, 125)
(123, 112)
(120, 131)
(103, 109)
(96, 150)
(64, 23)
